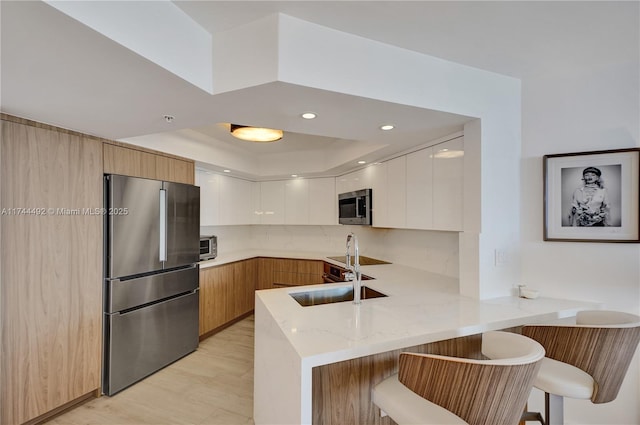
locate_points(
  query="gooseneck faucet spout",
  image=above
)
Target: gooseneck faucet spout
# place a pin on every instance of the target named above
(354, 270)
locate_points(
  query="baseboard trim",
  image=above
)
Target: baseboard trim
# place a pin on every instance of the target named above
(226, 325)
(64, 408)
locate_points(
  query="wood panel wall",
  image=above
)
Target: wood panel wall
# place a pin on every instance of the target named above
(51, 268)
(342, 391)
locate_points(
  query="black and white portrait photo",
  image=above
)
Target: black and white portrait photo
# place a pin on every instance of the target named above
(592, 196)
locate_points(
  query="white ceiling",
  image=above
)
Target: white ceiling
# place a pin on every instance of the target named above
(58, 71)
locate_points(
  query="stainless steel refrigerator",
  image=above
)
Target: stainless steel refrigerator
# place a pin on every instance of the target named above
(152, 249)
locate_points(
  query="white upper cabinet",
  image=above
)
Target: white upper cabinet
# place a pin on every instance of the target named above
(236, 206)
(272, 204)
(209, 197)
(420, 189)
(296, 201)
(323, 201)
(397, 192)
(361, 179)
(379, 194)
(224, 200)
(448, 172)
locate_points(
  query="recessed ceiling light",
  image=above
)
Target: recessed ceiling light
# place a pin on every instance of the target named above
(226, 171)
(386, 127)
(294, 175)
(309, 115)
(362, 162)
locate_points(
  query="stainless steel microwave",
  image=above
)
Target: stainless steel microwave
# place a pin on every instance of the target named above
(208, 247)
(355, 207)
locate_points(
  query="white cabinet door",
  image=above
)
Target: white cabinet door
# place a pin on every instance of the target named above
(272, 202)
(448, 169)
(296, 201)
(244, 203)
(356, 180)
(323, 199)
(236, 202)
(209, 197)
(226, 199)
(420, 189)
(256, 209)
(379, 194)
(397, 192)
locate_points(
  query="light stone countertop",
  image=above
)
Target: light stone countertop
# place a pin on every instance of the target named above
(420, 307)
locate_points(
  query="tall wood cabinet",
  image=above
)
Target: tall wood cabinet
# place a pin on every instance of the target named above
(50, 268)
(129, 160)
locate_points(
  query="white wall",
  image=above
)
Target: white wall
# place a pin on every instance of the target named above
(575, 111)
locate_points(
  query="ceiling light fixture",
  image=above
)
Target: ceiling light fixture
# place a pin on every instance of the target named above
(386, 127)
(309, 115)
(255, 134)
(226, 171)
(362, 162)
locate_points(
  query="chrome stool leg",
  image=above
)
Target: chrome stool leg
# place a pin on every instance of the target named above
(553, 408)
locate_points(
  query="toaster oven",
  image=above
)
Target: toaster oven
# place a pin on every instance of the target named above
(208, 247)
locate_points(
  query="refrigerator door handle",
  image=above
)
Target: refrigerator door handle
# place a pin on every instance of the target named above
(163, 225)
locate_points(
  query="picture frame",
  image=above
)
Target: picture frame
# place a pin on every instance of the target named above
(592, 196)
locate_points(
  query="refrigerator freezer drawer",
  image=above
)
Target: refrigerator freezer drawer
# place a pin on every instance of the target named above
(125, 294)
(145, 340)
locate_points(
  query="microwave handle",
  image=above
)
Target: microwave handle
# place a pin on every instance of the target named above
(358, 207)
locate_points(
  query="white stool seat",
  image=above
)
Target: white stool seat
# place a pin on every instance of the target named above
(407, 407)
(563, 379)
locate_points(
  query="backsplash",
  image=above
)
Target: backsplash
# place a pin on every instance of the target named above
(433, 251)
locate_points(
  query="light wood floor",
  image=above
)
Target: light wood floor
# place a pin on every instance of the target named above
(213, 385)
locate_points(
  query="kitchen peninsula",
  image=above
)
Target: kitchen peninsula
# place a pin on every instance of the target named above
(296, 347)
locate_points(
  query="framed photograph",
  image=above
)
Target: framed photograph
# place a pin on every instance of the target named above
(592, 196)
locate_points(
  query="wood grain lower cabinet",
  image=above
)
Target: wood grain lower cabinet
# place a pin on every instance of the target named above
(281, 272)
(227, 292)
(50, 268)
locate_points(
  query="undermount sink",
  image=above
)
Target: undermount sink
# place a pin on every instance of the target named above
(333, 295)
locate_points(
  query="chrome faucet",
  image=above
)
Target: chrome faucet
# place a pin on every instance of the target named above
(354, 270)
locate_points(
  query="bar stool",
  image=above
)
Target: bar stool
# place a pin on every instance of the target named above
(587, 360)
(442, 390)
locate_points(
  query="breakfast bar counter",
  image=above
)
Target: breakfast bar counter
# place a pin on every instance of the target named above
(420, 308)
